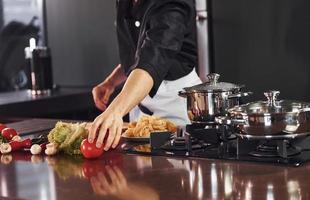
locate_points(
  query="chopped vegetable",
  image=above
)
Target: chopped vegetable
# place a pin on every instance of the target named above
(17, 145)
(16, 138)
(36, 149)
(67, 137)
(50, 151)
(8, 133)
(5, 148)
(2, 126)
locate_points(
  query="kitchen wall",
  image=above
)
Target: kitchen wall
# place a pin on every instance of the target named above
(81, 34)
(1, 13)
(264, 44)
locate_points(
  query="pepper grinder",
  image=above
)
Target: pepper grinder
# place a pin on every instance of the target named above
(38, 59)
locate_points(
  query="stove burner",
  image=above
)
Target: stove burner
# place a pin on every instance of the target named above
(271, 149)
(216, 142)
(184, 144)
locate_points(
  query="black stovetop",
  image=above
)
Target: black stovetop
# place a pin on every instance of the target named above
(214, 144)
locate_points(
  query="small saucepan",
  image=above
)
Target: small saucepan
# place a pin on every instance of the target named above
(210, 99)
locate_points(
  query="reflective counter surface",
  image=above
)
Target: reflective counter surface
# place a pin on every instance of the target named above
(119, 176)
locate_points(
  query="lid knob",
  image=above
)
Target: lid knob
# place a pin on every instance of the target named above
(213, 78)
(272, 95)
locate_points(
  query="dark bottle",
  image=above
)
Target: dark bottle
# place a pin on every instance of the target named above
(41, 70)
(38, 69)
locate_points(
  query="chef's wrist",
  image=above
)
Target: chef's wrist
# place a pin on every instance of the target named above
(115, 110)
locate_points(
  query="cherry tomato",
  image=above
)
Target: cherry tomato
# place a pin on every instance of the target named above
(8, 133)
(16, 145)
(2, 126)
(89, 150)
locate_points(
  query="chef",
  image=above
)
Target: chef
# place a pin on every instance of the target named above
(157, 48)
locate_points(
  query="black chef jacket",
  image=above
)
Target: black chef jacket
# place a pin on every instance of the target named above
(158, 36)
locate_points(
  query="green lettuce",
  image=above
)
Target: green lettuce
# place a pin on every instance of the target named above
(68, 137)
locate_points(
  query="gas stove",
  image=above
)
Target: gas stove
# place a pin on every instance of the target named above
(218, 142)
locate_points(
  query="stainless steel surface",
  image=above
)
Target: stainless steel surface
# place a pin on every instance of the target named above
(203, 107)
(213, 85)
(272, 137)
(272, 96)
(202, 38)
(210, 99)
(240, 94)
(269, 117)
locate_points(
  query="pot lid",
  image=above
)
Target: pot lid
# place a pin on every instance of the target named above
(212, 85)
(271, 106)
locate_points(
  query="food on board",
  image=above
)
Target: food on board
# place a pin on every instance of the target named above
(148, 124)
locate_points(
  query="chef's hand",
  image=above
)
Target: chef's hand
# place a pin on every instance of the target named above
(103, 91)
(101, 94)
(137, 86)
(114, 183)
(109, 122)
(116, 187)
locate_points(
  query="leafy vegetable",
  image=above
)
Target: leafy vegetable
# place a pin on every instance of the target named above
(3, 140)
(68, 137)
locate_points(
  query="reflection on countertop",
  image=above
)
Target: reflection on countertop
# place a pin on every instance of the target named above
(121, 176)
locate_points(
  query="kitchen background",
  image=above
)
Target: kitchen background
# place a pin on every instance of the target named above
(262, 44)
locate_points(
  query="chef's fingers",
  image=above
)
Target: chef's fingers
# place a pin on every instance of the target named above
(100, 104)
(112, 175)
(97, 186)
(93, 130)
(120, 175)
(118, 136)
(95, 93)
(106, 96)
(101, 135)
(88, 126)
(111, 137)
(104, 182)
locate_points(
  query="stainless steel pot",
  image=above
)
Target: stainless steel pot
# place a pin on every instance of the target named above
(208, 100)
(269, 118)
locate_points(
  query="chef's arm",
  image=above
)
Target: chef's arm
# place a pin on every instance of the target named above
(117, 76)
(137, 86)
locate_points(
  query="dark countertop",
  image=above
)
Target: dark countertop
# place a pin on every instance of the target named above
(120, 176)
(62, 100)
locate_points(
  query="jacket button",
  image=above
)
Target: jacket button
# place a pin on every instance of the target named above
(137, 23)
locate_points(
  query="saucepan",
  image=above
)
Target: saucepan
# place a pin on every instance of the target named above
(210, 99)
(269, 118)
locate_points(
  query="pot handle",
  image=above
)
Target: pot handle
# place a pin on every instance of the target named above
(240, 94)
(183, 94)
(225, 120)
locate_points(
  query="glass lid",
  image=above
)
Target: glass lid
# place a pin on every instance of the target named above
(271, 106)
(213, 85)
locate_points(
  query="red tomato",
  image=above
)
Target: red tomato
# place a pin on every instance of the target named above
(89, 150)
(2, 126)
(8, 133)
